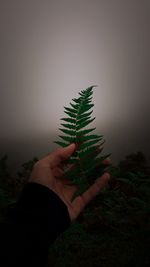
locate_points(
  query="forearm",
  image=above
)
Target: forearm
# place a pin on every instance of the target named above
(38, 219)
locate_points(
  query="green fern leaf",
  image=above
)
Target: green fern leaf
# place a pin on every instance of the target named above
(90, 152)
(82, 133)
(71, 110)
(68, 138)
(86, 162)
(77, 100)
(69, 120)
(84, 115)
(61, 143)
(87, 144)
(90, 137)
(83, 124)
(75, 106)
(69, 126)
(70, 132)
(85, 108)
(72, 115)
(82, 120)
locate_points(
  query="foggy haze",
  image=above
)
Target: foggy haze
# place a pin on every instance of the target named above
(51, 50)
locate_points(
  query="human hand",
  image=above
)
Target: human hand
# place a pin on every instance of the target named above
(48, 172)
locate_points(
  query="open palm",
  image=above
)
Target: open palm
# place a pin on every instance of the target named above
(49, 170)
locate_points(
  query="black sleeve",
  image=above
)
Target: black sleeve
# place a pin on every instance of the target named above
(37, 219)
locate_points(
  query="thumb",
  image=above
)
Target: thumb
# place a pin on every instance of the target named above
(61, 154)
(66, 152)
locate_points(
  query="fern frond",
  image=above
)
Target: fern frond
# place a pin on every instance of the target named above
(83, 124)
(88, 144)
(71, 110)
(90, 137)
(68, 138)
(84, 115)
(77, 100)
(61, 143)
(70, 132)
(69, 126)
(69, 120)
(85, 108)
(85, 161)
(76, 107)
(86, 131)
(90, 152)
(82, 120)
(70, 114)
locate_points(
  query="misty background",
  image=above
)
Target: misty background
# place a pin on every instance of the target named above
(51, 50)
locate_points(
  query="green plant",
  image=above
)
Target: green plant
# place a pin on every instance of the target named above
(86, 164)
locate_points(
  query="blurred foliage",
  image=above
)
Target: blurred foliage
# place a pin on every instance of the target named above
(12, 184)
(113, 230)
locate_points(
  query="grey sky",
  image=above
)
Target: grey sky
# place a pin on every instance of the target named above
(50, 50)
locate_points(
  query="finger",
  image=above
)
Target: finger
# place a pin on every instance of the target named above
(106, 161)
(70, 190)
(81, 201)
(95, 188)
(55, 158)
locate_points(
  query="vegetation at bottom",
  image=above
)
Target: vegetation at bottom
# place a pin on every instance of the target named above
(113, 230)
